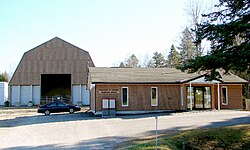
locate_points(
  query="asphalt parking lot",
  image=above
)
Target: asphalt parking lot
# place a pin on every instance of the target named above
(25, 129)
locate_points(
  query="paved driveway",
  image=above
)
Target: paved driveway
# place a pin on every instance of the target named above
(81, 131)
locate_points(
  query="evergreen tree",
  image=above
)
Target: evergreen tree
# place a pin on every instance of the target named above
(122, 65)
(173, 57)
(224, 28)
(4, 77)
(132, 61)
(157, 61)
(187, 47)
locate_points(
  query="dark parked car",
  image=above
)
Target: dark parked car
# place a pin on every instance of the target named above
(54, 107)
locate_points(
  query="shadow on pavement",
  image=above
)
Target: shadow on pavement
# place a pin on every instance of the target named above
(230, 122)
(107, 143)
(65, 117)
(117, 142)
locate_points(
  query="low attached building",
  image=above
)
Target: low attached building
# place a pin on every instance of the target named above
(3, 92)
(136, 90)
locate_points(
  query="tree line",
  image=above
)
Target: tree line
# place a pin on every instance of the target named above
(226, 26)
(177, 55)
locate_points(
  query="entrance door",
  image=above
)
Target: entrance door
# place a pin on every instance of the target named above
(199, 97)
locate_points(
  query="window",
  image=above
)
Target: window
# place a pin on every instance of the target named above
(224, 95)
(61, 104)
(124, 96)
(53, 104)
(154, 96)
(190, 96)
(207, 97)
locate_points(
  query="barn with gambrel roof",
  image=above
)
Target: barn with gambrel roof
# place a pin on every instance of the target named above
(54, 69)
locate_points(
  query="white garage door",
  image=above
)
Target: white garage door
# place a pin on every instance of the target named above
(14, 95)
(76, 94)
(25, 95)
(36, 95)
(84, 98)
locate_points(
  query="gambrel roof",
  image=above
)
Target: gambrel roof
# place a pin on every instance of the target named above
(55, 56)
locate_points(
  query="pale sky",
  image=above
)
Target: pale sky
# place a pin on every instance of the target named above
(110, 30)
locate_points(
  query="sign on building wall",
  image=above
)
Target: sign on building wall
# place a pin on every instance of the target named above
(109, 91)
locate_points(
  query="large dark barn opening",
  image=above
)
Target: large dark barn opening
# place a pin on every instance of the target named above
(56, 86)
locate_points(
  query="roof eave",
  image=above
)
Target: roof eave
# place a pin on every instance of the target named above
(136, 82)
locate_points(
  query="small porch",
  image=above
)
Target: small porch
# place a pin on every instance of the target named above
(204, 94)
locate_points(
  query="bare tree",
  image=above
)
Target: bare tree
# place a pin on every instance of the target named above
(12, 69)
(194, 11)
(146, 61)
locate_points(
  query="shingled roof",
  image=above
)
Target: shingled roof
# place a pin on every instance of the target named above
(149, 75)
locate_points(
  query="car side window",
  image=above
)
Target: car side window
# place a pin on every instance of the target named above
(53, 104)
(60, 104)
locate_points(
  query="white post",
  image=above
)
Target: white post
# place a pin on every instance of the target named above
(182, 95)
(156, 132)
(190, 96)
(19, 94)
(80, 93)
(9, 93)
(31, 93)
(218, 96)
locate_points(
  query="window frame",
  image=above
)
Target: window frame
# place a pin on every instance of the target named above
(155, 97)
(127, 96)
(222, 95)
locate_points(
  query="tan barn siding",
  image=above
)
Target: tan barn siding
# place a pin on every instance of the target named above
(53, 57)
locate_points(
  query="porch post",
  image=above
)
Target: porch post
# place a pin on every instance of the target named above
(190, 96)
(182, 95)
(218, 95)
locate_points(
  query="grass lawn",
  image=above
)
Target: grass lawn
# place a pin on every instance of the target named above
(226, 138)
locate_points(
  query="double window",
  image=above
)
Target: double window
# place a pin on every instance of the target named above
(124, 96)
(154, 96)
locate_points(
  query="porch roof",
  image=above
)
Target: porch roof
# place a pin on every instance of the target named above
(149, 76)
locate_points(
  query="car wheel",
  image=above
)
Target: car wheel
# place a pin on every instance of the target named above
(71, 110)
(47, 112)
